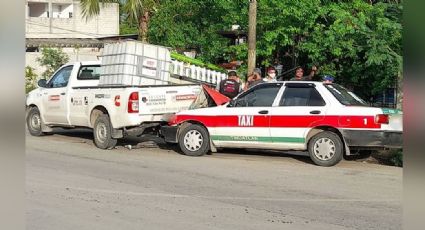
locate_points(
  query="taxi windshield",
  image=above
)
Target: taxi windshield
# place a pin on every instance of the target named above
(345, 96)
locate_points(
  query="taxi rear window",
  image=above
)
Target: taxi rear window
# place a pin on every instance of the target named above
(345, 96)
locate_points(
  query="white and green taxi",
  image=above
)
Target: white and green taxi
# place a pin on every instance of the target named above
(327, 120)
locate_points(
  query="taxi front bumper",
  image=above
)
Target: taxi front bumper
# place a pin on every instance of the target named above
(169, 133)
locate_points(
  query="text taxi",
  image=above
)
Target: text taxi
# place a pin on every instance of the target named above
(325, 119)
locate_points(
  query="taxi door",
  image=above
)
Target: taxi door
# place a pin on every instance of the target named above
(300, 108)
(245, 121)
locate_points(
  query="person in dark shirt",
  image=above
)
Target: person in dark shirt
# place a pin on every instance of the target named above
(230, 87)
(299, 75)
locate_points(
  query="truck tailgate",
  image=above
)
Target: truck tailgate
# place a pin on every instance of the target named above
(167, 99)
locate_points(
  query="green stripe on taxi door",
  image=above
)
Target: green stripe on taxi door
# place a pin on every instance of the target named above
(259, 139)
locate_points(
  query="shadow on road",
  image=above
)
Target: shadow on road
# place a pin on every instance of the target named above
(296, 155)
(87, 135)
(150, 141)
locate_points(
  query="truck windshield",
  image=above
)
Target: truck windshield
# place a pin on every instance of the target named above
(344, 96)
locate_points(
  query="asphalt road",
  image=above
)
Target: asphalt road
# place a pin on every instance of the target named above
(73, 185)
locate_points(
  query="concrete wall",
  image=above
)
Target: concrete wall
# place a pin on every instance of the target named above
(105, 24)
(82, 54)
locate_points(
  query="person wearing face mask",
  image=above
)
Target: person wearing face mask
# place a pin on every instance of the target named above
(271, 75)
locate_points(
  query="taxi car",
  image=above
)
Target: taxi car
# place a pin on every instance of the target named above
(327, 120)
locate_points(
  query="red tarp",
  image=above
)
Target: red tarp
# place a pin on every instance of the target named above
(218, 98)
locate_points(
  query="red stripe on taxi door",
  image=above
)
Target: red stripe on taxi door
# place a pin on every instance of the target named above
(283, 121)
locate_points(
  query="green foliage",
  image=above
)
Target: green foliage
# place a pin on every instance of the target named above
(397, 158)
(127, 26)
(357, 41)
(30, 79)
(188, 24)
(197, 62)
(52, 59)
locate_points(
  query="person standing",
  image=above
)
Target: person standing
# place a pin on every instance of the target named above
(328, 79)
(312, 76)
(230, 87)
(299, 75)
(278, 67)
(253, 79)
(271, 75)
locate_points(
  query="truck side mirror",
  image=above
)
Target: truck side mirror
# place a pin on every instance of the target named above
(42, 83)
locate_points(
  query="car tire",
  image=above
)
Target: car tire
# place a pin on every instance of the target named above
(194, 140)
(102, 133)
(34, 122)
(325, 149)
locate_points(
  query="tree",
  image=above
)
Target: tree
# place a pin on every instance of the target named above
(189, 24)
(139, 11)
(357, 41)
(52, 59)
(30, 79)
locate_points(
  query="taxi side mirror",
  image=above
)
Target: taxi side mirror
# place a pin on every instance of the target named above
(232, 103)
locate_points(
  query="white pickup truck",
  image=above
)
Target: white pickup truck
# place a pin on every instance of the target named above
(72, 98)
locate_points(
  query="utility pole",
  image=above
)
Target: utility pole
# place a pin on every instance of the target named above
(252, 31)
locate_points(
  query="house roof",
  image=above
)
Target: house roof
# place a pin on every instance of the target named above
(77, 42)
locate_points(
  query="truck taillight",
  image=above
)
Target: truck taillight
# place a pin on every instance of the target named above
(382, 119)
(133, 102)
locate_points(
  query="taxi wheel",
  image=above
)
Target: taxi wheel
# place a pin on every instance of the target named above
(326, 149)
(194, 140)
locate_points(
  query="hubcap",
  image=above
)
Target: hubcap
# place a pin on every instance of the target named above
(324, 149)
(101, 132)
(193, 140)
(35, 122)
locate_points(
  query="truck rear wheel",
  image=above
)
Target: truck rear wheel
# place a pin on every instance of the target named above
(34, 122)
(325, 149)
(194, 140)
(102, 132)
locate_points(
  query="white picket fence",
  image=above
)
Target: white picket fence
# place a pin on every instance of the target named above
(196, 73)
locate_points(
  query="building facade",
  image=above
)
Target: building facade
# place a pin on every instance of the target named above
(63, 19)
(60, 24)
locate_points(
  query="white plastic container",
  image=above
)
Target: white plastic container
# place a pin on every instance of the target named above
(134, 63)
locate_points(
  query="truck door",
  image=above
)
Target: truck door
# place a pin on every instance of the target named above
(87, 75)
(300, 108)
(55, 108)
